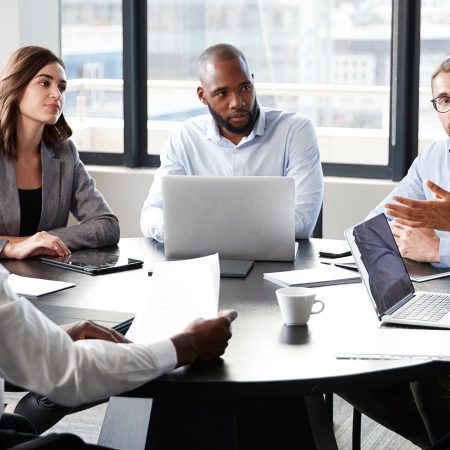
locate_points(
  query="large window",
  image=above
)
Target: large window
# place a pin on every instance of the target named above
(435, 46)
(349, 65)
(91, 43)
(328, 60)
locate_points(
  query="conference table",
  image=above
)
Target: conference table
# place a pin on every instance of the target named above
(267, 390)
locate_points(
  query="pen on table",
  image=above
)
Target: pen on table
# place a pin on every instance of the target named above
(385, 356)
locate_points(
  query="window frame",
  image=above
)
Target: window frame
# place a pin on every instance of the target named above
(404, 97)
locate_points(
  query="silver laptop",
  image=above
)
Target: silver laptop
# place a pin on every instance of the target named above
(249, 218)
(387, 281)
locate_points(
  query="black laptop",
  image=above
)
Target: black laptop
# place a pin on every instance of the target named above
(93, 262)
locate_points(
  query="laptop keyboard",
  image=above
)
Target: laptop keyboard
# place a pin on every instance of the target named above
(425, 307)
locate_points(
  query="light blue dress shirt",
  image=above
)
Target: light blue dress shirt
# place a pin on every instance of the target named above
(280, 144)
(433, 163)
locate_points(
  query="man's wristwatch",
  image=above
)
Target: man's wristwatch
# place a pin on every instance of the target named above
(3, 243)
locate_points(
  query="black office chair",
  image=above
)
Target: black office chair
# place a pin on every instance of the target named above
(442, 444)
(51, 441)
(318, 230)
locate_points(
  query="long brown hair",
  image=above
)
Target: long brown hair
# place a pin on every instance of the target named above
(21, 68)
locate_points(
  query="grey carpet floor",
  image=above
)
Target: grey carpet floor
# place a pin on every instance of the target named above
(87, 425)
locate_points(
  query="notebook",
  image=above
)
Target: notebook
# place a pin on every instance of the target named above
(246, 218)
(387, 281)
(323, 276)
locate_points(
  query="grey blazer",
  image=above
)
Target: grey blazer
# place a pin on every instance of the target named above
(66, 187)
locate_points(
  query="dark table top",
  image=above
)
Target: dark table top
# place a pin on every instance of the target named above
(263, 355)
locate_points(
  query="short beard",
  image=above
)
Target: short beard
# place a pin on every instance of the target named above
(245, 129)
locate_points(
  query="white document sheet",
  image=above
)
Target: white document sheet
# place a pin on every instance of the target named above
(35, 287)
(179, 292)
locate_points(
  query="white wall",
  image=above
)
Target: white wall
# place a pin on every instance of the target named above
(9, 29)
(346, 201)
(38, 26)
(125, 190)
(40, 23)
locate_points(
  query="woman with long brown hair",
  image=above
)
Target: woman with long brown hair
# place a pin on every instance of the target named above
(42, 179)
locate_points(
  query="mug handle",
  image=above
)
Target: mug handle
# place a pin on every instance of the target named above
(321, 309)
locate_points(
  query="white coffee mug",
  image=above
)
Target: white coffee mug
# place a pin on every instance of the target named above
(296, 304)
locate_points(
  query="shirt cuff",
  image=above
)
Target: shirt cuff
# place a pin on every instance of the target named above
(165, 354)
(444, 252)
(3, 243)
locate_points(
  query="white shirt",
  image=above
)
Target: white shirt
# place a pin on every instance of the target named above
(433, 163)
(38, 355)
(280, 144)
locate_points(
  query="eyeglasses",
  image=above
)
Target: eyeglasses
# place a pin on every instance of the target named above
(441, 104)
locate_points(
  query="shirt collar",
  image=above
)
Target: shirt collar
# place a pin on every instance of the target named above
(212, 133)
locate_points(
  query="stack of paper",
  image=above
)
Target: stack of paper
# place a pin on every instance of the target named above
(179, 292)
(35, 287)
(323, 276)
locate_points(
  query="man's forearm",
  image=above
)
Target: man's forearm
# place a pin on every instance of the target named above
(40, 356)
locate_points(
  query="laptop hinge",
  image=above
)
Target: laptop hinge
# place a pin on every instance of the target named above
(399, 304)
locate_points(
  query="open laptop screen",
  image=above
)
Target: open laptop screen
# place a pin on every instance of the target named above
(380, 263)
(239, 217)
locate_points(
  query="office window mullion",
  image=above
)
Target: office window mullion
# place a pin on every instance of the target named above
(404, 86)
(135, 81)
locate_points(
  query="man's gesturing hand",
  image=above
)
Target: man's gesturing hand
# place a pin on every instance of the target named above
(433, 214)
(204, 339)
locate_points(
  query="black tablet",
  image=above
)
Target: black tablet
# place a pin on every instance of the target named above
(93, 262)
(235, 268)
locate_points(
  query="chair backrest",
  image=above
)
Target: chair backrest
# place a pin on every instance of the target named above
(318, 231)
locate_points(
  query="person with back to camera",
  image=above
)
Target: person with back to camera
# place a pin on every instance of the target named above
(42, 179)
(239, 138)
(38, 355)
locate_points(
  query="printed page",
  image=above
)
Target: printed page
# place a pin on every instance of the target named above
(179, 292)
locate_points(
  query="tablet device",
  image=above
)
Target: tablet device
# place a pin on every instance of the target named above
(235, 268)
(93, 262)
(231, 268)
(419, 271)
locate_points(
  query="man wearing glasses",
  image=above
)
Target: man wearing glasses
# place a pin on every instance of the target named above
(420, 410)
(423, 195)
